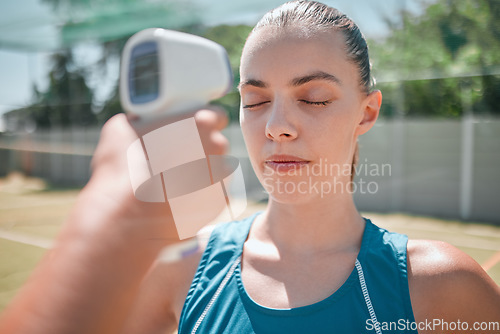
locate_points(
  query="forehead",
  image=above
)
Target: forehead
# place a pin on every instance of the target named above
(284, 53)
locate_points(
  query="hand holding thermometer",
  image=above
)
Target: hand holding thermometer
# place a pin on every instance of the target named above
(165, 72)
(167, 75)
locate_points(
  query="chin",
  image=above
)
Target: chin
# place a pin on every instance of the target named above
(292, 190)
(290, 199)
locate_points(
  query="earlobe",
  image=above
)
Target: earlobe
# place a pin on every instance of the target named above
(370, 112)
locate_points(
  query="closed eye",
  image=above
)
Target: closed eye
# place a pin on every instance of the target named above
(255, 105)
(316, 103)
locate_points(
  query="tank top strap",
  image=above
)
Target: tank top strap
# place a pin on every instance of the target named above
(223, 250)
(385, 271)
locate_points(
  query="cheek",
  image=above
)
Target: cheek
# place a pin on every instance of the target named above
(335, 133)
(251, 130)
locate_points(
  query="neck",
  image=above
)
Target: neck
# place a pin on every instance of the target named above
(325, 225)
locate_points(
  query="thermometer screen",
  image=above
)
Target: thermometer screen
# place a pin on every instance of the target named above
(143, 73)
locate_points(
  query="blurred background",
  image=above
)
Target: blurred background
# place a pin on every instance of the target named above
(432, 161)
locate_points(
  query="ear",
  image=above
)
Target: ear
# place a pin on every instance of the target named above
(371, 108)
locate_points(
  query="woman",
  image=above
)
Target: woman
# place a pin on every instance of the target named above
(308, 264)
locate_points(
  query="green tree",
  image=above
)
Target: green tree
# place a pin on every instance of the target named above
(452, 46)
(111, 23)
(232, 38)
(67, 100)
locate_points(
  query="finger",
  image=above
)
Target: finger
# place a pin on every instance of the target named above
(222, 118)
(145, 124)
(212, 118)
(219, 144)
(119, 128)
(115, 138)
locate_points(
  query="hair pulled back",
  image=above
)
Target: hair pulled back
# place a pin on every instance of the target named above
(314, 16)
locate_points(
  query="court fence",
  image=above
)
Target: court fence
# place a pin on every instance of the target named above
(437, 167)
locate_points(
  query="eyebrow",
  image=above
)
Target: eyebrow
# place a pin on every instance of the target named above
(252, 82)
(319, 75)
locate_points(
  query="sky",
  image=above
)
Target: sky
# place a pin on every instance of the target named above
(29, 31)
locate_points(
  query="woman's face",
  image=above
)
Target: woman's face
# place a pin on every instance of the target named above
(302, 109)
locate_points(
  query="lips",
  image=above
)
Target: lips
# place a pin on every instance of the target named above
(285, 163)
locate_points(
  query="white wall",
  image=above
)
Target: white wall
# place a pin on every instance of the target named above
(425, 163)
(429, 175)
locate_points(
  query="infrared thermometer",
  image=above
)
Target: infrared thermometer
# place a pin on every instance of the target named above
(170, 72)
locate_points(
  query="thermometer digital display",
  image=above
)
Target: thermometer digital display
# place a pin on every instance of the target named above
(165, 71)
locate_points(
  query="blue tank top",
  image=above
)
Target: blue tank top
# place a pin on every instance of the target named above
(375, 298)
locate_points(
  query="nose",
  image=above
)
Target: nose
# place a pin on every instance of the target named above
(280, 126)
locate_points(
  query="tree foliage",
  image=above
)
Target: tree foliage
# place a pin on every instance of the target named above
(435, 63)
(232, 38)
(65, 102)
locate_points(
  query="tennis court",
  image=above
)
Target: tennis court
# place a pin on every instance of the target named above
(29, 220)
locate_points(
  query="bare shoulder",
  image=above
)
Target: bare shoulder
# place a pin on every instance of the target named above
(446, 283)
(432, 257)
(164, 289)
